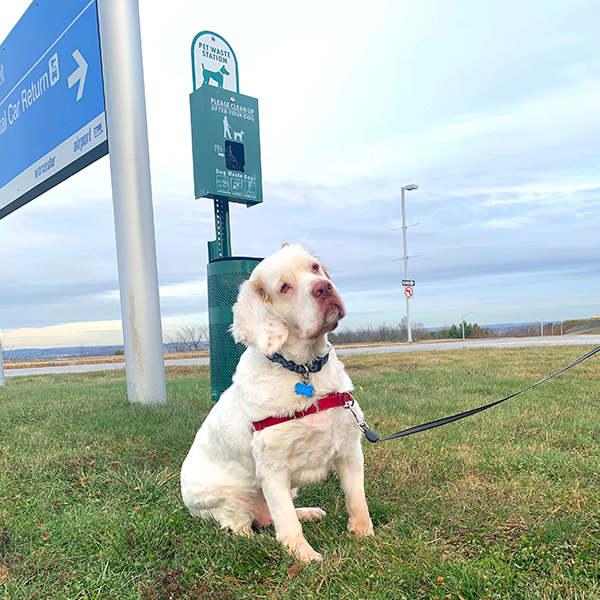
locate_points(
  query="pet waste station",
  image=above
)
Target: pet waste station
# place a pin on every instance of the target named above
(227, 169)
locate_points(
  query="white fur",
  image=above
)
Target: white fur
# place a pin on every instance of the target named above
(242, 478)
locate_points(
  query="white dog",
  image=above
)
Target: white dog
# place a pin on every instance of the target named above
(242, 474)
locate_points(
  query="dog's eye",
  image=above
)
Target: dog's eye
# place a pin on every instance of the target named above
(284, 288)
(316, 268)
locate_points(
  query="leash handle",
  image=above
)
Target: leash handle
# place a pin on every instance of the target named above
(374, 438)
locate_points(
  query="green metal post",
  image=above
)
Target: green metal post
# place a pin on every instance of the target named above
(221, 247)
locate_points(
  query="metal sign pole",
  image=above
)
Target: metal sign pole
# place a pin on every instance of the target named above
(121, 46)
(222, 228)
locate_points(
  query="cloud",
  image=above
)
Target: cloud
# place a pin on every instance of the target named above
(509, 222)
(494, 117)
(91, 333)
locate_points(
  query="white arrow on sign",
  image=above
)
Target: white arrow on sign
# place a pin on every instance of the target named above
(78, 74)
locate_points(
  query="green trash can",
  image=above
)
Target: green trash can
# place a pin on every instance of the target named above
(225, 275)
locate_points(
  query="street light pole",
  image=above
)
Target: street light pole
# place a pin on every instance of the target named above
(463, 321)
(410, 187)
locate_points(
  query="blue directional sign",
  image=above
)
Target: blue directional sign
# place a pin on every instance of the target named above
(52, 117)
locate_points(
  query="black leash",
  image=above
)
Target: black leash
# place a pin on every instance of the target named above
(373, 437)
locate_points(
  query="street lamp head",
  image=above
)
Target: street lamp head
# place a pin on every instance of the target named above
(411, 187)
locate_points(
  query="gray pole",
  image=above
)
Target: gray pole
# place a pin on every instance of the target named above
(409, 333)
(121, 45)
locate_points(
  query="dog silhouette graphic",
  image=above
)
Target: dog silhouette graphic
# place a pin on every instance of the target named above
(216, 76)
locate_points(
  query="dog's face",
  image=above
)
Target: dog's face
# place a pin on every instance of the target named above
(289, 293)
(224, 70)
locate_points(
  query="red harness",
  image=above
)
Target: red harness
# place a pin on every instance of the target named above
(331, 401)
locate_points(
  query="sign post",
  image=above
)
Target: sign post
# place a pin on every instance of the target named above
(132, 199)
(53, 123)
(227, 169)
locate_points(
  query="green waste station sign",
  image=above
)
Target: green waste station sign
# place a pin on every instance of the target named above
(226, 156)
(226, 145)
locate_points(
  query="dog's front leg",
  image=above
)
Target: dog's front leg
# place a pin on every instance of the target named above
(349, 465)
(276, 489)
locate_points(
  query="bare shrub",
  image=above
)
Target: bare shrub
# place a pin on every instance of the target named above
(6, 348)
(188, 339)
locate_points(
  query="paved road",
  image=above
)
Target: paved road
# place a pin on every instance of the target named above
(99, 367)
(570, 340)
(422, 347)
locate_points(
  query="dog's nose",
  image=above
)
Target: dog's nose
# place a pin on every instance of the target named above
(322, 289)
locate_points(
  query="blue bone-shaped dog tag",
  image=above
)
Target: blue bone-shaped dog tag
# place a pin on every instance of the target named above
(305, 390)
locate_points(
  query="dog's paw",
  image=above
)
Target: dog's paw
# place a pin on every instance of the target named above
(305, 552)
(310, 514)
(243, 530)
(359, 529)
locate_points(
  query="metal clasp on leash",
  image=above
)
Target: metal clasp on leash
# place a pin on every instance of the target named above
(362, 425)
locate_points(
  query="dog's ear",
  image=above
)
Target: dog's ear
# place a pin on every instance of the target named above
(255, 321)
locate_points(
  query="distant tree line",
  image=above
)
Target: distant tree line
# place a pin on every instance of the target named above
(472, 330)
(398, 333)
(381, 333)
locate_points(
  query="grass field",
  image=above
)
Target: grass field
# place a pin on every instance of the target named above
(504, 505)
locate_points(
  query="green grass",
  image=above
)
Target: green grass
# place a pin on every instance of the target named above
(504, 505)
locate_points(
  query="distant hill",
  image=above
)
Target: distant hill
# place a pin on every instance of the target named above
(579, 326)
(494, 327)
(71, 352)
(582, 326)
(67, 352)
(499, 326)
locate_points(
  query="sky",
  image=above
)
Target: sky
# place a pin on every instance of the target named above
(491, 108)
